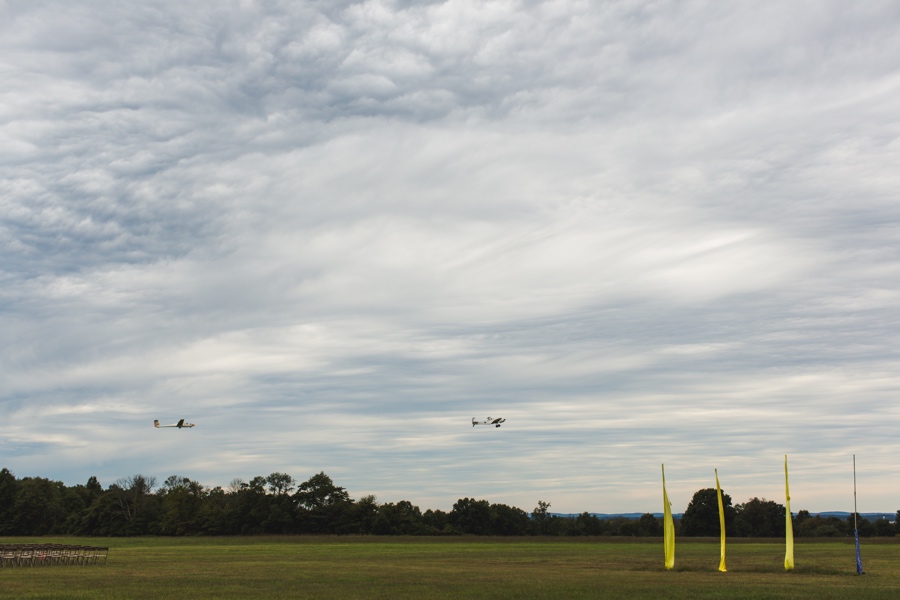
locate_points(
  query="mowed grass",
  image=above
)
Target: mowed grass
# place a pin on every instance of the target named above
(376, 567)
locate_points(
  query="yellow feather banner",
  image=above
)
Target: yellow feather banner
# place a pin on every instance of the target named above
(668, 526)
(788, 524)
(721, 523)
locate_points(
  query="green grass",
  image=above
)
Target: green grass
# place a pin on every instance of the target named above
(375, 567)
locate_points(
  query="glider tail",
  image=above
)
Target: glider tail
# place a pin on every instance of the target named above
(156, 423)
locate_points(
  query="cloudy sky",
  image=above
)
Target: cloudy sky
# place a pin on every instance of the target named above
(331, 233)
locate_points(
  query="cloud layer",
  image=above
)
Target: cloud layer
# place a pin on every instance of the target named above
(332, 233)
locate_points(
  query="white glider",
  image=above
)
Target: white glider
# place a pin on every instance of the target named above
(489, 421)
(180, 424)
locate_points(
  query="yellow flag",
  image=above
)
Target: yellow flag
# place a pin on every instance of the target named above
(668, 526)
(788, 525)
(721, 523)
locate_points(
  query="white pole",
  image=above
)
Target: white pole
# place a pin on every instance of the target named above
(859, 568)
(854, 491)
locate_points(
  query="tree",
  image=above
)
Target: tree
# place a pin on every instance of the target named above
(509, 520)
(819, 526)
(280, 483)
(541, 518)
(246, 507)
(437, 521)
(38, 509)
(103, 517)
(628, 528)
(759, 518)
(318, 491)
(133, 497)
(588, 524)
(365, 511)
(8, 489)
(884, 528)
(93, 486)
(471, 516)
(402, 518)
(182, 500)
(322, 506)
(212, 516)
(257, 484)
(649, 526)
(863, 525)
(701, 518)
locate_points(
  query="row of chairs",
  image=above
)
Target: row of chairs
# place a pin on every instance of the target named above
(33, 555)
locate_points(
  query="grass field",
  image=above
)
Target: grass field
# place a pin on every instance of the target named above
(376, 567)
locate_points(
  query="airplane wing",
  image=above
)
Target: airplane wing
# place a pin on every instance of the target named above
(180, 423)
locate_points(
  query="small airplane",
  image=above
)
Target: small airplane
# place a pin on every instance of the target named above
(179, 424)
(489, 421)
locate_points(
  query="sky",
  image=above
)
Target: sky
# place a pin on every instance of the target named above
(331, 233)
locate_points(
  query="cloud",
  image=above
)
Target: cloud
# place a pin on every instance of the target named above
(332, 233)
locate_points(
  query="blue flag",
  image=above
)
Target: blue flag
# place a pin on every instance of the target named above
(858, 557)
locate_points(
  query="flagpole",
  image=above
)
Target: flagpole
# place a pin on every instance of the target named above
(859, 568)
(854, 492)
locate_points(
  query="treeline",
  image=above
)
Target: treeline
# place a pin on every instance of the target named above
(765, 518)
(277, 504)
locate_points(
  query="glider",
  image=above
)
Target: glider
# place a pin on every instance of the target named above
(489, 421)
(179, 424)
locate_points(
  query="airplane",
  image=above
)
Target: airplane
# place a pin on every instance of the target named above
(179, 424)
(490, 421)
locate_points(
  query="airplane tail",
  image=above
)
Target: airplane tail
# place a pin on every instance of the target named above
(156, 423)
(473, 421)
